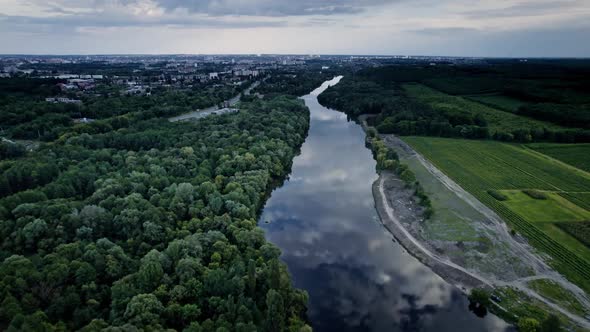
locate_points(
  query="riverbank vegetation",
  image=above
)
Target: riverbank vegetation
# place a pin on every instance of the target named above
(133, 222)
(387, 159)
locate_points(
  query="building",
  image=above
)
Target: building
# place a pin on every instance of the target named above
(63, 100)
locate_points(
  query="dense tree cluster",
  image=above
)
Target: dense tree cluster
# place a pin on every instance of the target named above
(565, 115)
(396, 113)
(25, 114)
(147, 224)
(295, 83)
(378, 91)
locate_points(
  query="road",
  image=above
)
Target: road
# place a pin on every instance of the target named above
(210, 110)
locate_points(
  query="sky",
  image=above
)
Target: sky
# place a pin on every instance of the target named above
(497, 28)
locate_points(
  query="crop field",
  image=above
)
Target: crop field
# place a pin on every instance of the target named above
(580, 199)
(553, 209)
(501, 102)
(481, 166)
(498, 120)
(577, 155)
(579, 230)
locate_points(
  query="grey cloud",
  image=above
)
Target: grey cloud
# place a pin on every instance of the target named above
(528, 9)
(272, 7)
(113, 20)
(450, 31)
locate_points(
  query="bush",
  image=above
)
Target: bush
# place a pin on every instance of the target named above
(498, 195)
(480, 297)
(535, 194)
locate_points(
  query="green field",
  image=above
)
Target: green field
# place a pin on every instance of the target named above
(553, 209)
(501, 102)
(497, 120)
(480, 166)
(577, 155)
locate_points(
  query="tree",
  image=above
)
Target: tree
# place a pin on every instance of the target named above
(252, 278)
(144, 310)
(551, 324)
(480, 296)
(528, 325)
(275, 314)
(151, 271)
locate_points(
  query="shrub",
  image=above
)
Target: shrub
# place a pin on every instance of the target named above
(498, 195)
(535, 194)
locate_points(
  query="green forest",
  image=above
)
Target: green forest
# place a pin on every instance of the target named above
(295, 83)
(133, 222)
(24, 113)
(537, 102)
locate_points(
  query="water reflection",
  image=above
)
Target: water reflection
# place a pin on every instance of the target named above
(358, 278)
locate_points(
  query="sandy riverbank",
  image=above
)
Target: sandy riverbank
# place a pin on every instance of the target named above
(390, 193)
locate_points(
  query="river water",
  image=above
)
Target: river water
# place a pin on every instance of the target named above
(358, 278)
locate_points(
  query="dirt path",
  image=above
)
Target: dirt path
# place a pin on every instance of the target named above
(391, 217)
(496, 224)
(403, 235)
(209, 110)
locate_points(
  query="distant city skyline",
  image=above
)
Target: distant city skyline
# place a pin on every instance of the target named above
(482, 28)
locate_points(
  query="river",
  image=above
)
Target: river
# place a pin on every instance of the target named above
(324, 221)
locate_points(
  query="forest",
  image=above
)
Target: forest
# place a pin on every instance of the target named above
(133, 222)
(507, 101)
(24, 113)
(294, 82)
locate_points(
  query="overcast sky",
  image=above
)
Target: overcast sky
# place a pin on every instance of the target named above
(514, 28)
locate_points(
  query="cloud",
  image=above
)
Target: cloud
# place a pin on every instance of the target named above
(125, 20)
(447, 27)
(272, 7)
(444, 31)
(527, 9)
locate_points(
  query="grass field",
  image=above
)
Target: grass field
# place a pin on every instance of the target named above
(553, 209)
(480, 166)
(504, 103)
(577, 155)
(497, 120)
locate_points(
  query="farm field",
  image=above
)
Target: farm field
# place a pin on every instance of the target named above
(577, 155)
(501, 102)
(552, 209)
(481, 166)
(580, 199)
(579, 230)
(498, 120)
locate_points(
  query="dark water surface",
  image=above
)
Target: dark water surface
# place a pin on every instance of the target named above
(325, 223)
